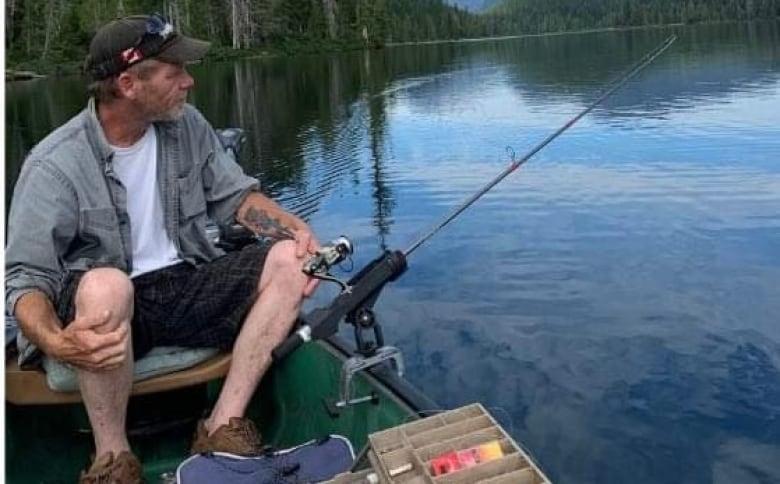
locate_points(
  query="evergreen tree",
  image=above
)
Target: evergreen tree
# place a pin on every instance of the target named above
(45, 33)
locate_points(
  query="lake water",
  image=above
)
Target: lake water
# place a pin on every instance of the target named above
(615, 302)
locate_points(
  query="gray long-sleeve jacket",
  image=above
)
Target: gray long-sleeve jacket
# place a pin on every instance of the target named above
(69, 209)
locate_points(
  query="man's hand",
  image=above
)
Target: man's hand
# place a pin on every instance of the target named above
(265, 217)
(306, 245)
(311, 286)
(87, 344)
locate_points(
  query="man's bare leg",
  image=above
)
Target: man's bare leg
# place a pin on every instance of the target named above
(106, 393)
(267, 324)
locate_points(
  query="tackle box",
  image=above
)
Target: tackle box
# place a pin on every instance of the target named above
(413, 453)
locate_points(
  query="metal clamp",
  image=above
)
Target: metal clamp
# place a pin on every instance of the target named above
(358, 363)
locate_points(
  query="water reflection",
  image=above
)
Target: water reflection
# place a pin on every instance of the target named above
(705, 64)
(616, 302)
(610, 409)
(314, 107)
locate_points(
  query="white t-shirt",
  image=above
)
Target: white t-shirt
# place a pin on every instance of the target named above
(136, 167)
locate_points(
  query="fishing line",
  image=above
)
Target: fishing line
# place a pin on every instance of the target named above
(612, 87)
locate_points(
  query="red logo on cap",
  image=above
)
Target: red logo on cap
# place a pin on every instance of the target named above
(131, 55)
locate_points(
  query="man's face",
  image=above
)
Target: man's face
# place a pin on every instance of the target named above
(162, 91)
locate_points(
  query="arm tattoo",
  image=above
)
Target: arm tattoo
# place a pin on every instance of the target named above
(261, 223)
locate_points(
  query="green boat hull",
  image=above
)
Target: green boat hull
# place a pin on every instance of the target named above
(52, 443)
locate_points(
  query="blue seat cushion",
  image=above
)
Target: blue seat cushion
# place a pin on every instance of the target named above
(61, 377)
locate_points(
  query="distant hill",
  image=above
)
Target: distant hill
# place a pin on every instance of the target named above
(473, 5)
(531, 16)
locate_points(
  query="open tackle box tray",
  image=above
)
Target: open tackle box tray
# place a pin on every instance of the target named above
(461, 446)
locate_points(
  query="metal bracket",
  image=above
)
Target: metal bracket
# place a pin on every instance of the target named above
(358, 363)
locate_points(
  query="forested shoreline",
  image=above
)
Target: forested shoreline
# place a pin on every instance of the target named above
(537, 16)
(53, 35)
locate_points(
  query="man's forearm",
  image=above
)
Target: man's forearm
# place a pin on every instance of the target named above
(265, 217)
(38, 320)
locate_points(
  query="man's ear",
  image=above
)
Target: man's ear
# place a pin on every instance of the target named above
(126, 84)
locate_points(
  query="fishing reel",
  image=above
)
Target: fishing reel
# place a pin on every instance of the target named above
(329, 255)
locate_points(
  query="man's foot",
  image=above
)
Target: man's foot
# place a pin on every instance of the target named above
(239, 437)
(124, 469)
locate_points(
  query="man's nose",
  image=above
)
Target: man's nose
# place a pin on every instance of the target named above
(188, 82)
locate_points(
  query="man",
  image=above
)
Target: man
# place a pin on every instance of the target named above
(107, 254)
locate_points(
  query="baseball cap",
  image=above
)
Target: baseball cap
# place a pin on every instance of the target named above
(126, 41)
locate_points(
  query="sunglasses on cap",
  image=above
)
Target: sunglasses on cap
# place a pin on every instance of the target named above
(157, 33)
(158, 30)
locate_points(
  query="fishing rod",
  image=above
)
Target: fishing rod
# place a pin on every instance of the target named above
(358, 295)
(614, 86)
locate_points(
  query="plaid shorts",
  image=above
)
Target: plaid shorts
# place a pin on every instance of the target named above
(184, 305)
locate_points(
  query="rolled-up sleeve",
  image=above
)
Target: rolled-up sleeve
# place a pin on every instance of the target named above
(42, 222)
(225, 183)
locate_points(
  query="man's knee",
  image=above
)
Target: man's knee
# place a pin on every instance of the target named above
(283, 263)
(106, 287)
(282, 255)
